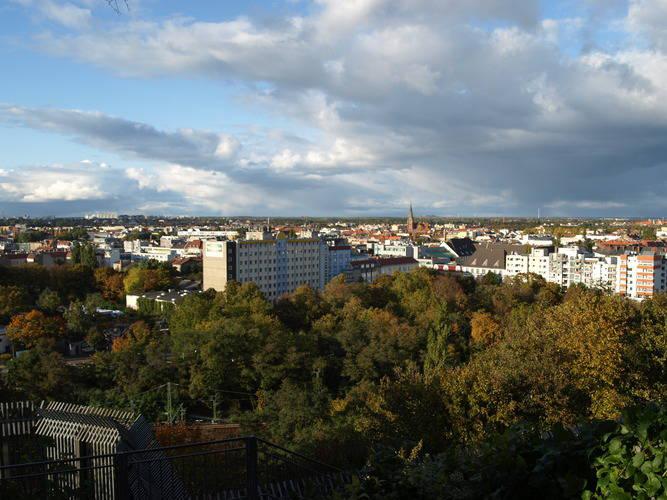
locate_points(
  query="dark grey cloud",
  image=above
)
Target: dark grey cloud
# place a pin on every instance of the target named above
(186, 146)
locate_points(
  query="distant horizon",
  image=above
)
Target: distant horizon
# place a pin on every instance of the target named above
(336, 216)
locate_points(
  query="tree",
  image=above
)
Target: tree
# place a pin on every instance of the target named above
(110, 284)
(139, 280)
(435, 358)
(13, 299)
(137, 336)
(40, 373)
(648, 233)
(77, 319)
(375, 341)
(32, 236)
(139, 364)
(484, 329)
(33, 326)
(96, 339)
(49, 301)
(193, 311)
(73, 234)
(300, 309)
(401, 410)
(84, 253)
(219, 358)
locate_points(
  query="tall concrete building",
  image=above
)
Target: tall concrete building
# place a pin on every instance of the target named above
(641, 275)
(276, 266)
(338, 255)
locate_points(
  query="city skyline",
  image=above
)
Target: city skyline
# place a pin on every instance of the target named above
(334, 108)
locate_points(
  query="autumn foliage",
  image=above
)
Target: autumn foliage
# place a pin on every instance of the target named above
(30, 327)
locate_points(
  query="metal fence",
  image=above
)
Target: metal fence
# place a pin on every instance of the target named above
(239, 468)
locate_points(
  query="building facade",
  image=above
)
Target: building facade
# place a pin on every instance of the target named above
(368, 270)
(641, 275)
(276, 266)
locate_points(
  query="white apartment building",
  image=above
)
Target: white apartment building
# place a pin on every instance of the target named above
(159, 254)
(567, 266)
(516, 263)
(536, 262)
(537, 240)
(394, 250)
(604, 273)
(204, 234)
(276, 266)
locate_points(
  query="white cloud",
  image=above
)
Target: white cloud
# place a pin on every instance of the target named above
(65, 13)
(401, 98)
(38, 184)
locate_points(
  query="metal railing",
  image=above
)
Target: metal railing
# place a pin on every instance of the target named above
(238, 468)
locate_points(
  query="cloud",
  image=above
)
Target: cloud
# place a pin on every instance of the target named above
(186, 146)
(66, 14)
(29, 185)
(476, 106)
(648, 18)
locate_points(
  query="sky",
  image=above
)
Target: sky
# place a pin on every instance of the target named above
(334, 107)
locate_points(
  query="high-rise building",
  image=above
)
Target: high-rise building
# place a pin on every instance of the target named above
(338, 255)
(276, 266)
(641, 275)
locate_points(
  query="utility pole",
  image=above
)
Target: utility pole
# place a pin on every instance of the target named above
(170, 410)
(214, 404)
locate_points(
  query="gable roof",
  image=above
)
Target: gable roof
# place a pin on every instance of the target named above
(460, 247)
(491, 255)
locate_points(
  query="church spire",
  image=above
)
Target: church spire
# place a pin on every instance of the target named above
(411, 220)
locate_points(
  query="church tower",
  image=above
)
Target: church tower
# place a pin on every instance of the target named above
(411, 221)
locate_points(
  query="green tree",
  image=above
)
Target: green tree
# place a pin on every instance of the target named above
(13, 299)
(401, 410)
(375, 342)
(77, 319)
(435, 358)
(299, 309)
(49, 301)
(139, 280)
(40, 373)
(84, 253)
(32, 236)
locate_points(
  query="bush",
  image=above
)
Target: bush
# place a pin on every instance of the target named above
(633, 458)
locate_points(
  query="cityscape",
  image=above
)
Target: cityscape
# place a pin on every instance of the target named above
(333, 249)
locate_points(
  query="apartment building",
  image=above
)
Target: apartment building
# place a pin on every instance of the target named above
(337, 259)
(604, 273)
(160, 254)
(495, 258)
(567, 266)
(369, 270)
(394, 250)
(276, 266)
(641, 275)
